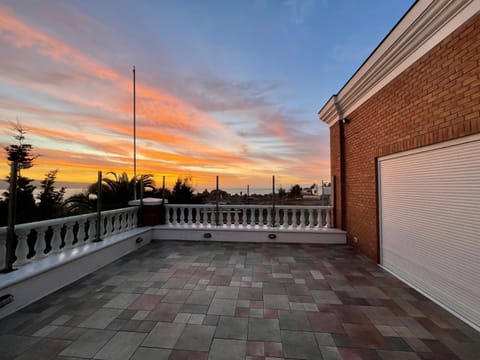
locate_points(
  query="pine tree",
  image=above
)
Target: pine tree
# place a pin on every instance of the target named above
(50, 204)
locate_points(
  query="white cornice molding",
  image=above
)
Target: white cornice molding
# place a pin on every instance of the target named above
(426, 24)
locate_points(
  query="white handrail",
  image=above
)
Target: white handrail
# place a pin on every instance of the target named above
(36, 240)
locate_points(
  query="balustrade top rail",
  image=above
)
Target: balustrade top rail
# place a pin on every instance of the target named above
(243, 215)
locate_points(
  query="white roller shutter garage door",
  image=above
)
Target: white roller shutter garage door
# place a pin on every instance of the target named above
(430, 222)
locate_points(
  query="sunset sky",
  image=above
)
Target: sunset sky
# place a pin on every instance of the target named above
(228, 88)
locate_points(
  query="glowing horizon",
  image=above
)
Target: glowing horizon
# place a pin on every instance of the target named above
(206, 106)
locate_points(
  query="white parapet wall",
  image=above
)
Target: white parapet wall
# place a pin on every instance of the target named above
(253, 234)
(54, 253)
(42, 277)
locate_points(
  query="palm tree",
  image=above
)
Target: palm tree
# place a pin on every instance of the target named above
(117, 190)
(81, 203)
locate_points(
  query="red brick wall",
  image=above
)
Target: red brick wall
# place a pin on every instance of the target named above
(434, 100)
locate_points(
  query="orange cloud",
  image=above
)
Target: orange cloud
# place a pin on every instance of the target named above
(85, 124)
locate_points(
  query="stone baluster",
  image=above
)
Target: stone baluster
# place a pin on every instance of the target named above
(57, 238)
(198, 213)
(81, 232)
(40, 244)
(189, 216)
(21, 252)
(269, 217)
(311, 221)
(236, 217)
(121, 222)
(116, 223)
(278, 219)
(92, 229)
(69, 235)
(295, 218)
(182, 216)
(167, 215)
(302, 218)
(260, 217)
(327, 218)
(134, 214)
(109, 228)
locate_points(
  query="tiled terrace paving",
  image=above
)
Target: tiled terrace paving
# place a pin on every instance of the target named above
(185, 300)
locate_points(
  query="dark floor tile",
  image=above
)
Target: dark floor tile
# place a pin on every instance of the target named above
(232, 328)
(398, 344)
(294, 320)
(248, 293)
(263, 329)
(44, 349)
(164, 312)
(13, 345)
(300, 345)
(325, 322)
(187, 355)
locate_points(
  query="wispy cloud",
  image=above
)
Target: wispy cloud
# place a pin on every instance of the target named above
(78, 111)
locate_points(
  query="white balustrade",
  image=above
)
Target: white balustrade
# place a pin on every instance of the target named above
(248, 216)
(57, 235)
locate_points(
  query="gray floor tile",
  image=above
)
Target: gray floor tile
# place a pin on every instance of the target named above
(13, 345)
(46, 349)
(271, 301)
(89, 343)
(263, 330)
(121, 346)
(330, 353)
(101, 318)
(164, 335)
(223, 349)
(300, 345)
(195, 338)
(176, 296)
(232, 328)
(200, 297)
(397, 355)
(227, 292)
(121, 301)
(222, 307)
(144, 353)
(294, 320)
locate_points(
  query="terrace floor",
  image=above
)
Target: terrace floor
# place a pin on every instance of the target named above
(199, 300)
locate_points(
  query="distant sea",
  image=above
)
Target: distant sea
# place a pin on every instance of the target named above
(78, 189)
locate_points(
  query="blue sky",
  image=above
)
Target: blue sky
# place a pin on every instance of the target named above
(229, 88)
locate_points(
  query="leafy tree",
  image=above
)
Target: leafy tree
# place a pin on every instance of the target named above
(295, 191)
(50, 205)
(182, 192)
(282, 193)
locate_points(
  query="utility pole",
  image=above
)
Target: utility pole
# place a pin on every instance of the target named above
(12, 211)
(134, 140)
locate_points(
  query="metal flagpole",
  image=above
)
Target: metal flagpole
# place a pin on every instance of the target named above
(216, 204)
(134, 140)
(273, 201)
